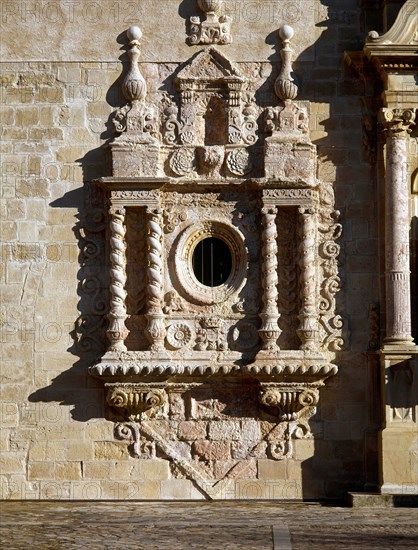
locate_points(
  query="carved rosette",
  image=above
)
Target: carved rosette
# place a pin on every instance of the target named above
(155, 329)
(238, 162)
(179, 335)
(182, 161)
(117, 332)
(308, 328)
(269, 331)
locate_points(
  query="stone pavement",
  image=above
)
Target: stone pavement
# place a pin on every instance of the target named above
(204, 526)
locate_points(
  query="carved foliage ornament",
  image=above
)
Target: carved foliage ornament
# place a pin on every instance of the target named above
(214, 28)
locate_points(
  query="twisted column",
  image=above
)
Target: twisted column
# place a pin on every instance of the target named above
(117, 332)
(308, 331)
(397, 123)
(269, 331)
(155, 284)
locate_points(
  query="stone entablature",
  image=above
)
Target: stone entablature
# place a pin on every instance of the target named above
(214, 166)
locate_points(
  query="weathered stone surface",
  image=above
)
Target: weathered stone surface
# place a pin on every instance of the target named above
(59, 437)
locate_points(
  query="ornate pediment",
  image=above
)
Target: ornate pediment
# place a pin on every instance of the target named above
(209, 66)
(401, 38)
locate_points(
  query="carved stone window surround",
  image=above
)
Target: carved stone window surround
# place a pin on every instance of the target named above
(183, 261)
(221, 340)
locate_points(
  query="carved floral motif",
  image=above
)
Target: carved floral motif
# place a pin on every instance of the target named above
(214, 29)
(238, 162)
(182, 161)
(179, 335)
(330, 323)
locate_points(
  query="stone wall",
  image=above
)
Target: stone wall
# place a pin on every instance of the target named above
(58, 91)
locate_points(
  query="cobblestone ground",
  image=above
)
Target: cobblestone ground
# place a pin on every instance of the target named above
(204, 526)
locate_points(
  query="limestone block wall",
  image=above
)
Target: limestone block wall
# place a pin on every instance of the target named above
(58, 91)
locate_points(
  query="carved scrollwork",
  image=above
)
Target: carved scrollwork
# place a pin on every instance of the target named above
(330, 323)
(249, 125)
(173, 218)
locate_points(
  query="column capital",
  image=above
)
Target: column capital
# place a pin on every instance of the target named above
(398, 122)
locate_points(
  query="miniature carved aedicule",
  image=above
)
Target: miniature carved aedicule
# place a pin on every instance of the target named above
(223, 270)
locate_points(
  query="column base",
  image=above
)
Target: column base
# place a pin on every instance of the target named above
(379, 500)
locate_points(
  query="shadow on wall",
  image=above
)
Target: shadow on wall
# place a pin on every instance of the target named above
(74, 386)
(345, 456)
(338, 463)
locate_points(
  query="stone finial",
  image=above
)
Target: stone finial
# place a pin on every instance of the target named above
(134, 87)
(285, 86)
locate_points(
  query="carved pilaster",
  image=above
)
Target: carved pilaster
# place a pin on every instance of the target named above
(269, 331)
(155, 329)
(397, 123)
(117, 332)
(308, 330)
(187, 118)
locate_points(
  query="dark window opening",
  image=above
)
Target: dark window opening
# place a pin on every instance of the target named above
(212, 262)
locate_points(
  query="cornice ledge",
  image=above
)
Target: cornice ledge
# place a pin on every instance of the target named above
(400, 39)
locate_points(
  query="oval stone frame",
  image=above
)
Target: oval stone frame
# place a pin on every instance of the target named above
(186, 278)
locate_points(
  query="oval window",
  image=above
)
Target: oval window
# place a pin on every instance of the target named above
(212, 262)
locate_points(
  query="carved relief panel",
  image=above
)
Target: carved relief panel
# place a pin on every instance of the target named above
(223, 272)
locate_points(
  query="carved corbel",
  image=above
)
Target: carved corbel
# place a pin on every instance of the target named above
(293, 406)
(136, 402)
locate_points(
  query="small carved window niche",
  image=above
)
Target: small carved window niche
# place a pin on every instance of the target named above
(223, 271)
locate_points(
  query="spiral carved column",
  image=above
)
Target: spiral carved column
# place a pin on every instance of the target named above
(155, 286)
(269, 331)
(117, 332)
(308, 327)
